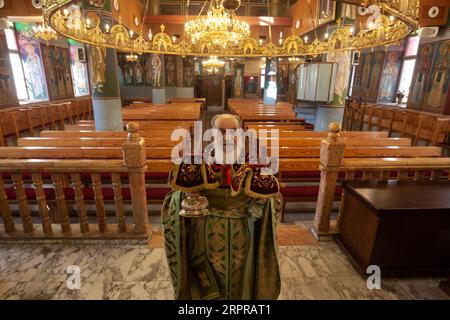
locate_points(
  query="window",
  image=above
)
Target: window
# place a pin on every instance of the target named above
(263, 77)
(406, 76)
(409, 62)
(16, 65)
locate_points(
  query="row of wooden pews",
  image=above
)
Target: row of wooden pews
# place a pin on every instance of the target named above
(253, 112)
(422, 127)
(79, 174)
(69, 176)
(28, 120)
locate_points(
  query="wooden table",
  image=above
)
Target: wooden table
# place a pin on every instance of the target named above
(403, 227)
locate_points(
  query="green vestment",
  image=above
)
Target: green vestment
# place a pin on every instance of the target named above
(229, 254)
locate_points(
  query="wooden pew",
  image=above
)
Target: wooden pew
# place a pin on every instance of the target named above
(28, 119)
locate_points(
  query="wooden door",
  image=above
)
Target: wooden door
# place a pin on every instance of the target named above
(213, 89)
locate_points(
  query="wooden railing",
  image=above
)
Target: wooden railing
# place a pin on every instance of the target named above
(433, 129)
(334, 167)
(77, 177)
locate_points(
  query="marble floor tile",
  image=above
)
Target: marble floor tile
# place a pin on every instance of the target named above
(354, 287)
(145, 265)
(105, 291)
(316, 271)
(118, 263)
(55, 268)
(64, 293)
(415, 288)
(29, 290)
(140, 290)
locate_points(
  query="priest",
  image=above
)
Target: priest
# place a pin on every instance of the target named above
(230, 251)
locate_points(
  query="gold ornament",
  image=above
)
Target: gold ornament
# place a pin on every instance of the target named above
(235, 41)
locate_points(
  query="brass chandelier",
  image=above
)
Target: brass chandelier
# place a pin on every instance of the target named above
(213, 64)
(131, 57)
(220, 27)
(44, 32)
(387, 28)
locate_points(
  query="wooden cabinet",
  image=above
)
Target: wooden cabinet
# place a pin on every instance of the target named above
(402, 227)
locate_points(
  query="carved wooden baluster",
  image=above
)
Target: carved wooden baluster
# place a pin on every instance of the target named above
(43, 117)
(331, 155)
(404, 123)
(79, 199)
(380, 120)
(14, 123)
(369, 119)
(40, 197)
(375, 175)
(135, 161)
(402, 175)
(345, 117)
(30, 122)
(53, 117)
(61, 204)
(416, 134)
(366, 175)
(349, 175)
(385, 175)
(419, 175)
(8, 221)
(62, 116)
(120, 211)
(68, 109)
(76, 105)
(2, 134)
(341, 209)
(99, 204)
(21, 197)
(436, 175)
(439, 129)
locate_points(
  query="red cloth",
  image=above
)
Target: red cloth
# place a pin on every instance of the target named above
(227, 174)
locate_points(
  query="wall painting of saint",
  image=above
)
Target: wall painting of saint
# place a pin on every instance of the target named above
(79, 70)
(420, 75)
(238, 81)
(390, 76)
(439, 78)
(32, 62)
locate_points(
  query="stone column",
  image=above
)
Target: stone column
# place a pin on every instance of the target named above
(105, 92)
(184, 90)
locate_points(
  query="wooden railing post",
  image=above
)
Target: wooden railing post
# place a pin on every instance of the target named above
(134, 154)
(331, 155)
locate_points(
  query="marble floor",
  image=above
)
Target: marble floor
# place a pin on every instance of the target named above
(314, 271)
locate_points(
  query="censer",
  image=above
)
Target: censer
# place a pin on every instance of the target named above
(194, 206)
